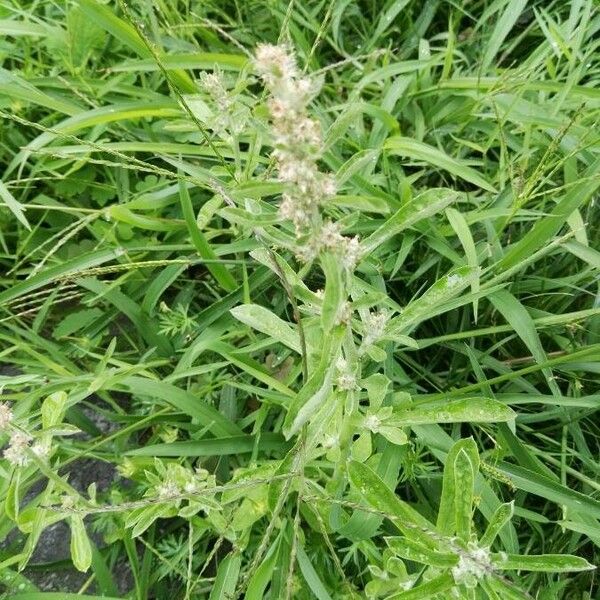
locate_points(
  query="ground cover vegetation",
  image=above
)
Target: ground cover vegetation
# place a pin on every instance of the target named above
(299, 299)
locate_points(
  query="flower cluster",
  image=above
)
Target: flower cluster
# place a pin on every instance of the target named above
(346, 379)
(472, 566)
(5, 416)
(298, 145)
(375, 324)
(329, 238)
(172, 483)
(230, 116)
(17, 453)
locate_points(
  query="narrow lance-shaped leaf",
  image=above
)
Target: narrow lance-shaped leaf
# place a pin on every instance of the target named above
(463, 410)
(334, 296)
(414, 149)
(461, 228)
(81, 549)
(227, 577)
(432, 301)
(317, 390)
(220, 273)
(265, 321)
(446, 522)
(17, 209)
(522, 322)
(379, 496)
(425, 205)
(466, 467)
(312, 578)
(499, 519)
(430, 589)
(545, 228)
(412, 550)
(551, 563)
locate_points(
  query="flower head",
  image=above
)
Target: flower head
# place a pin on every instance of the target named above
(6, 415)
(168, 489)
(372, 422)
(472, 566)
(275, 63)
(16, 453)
(298, 142)
(374, 327)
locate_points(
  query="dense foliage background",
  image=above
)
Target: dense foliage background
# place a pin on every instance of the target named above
(124, 247)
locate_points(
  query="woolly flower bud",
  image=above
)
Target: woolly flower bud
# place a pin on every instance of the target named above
(351, 253)
(41, 450)
(372, 422)
(329, 186)
(68, 501)
(374, 327)
(213, 84)
(168, 489)
(347, 382)
(330, 237)
(347, 248)
(307, 252)
(5, 415)
(278, 109)
(274, 63)
(16, 453)
(472, 566)
(330, 441)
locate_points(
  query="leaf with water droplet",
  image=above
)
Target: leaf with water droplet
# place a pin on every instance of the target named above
(463, 410)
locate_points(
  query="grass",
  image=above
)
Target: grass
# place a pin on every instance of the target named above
(152, 304)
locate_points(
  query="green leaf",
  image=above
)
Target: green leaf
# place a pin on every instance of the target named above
(76, 322)
(466, 467)
(311, 576)
(17, 209)
(127, 111)
(412, 550)
(227, 577)
(379, 496)
(142, 518)
(258, 583)
(551, 563)
(334, 296)
(464, 410)
(53, 409)
(205, 250)
(500, 518)
(81, 549)
(195, 60)
(462, 463)
(318, 389)
(377, 387)
(425, 205)
(263, 320)
(183, 401)
(12, 501)
(432, 301)
(430, 589)
(548, 226)
(420, 151)
(221, 446)
(461, 228)
(58, 596)
(69, 268)
(502, 28)
(534, 483)
(520, 320)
